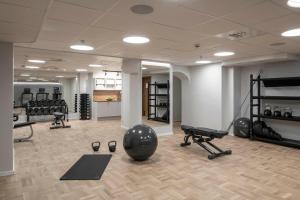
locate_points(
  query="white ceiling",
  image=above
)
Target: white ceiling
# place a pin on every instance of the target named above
(174, 27)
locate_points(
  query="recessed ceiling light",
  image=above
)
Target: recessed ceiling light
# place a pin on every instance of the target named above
(82, 46)
(203, 61)
(136, 40)
(151, 63)
(32, 67)
(224, 53)
(143, 68)
(25, 75)
(95, 65)
(294, 3)
(59, 76)
(32, 78)
(81, 70)
(291, 33)
(37, 61)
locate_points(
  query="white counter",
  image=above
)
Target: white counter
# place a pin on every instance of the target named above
(108, 109)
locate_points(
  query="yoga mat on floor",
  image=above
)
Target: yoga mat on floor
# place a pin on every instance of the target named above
(88, 167)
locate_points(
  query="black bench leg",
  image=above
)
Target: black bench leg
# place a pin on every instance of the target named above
(186, 141)
(220, 151)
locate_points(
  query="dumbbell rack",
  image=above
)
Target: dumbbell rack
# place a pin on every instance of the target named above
(46, 107)
(256, 101)
(75, 103)
(85, 107)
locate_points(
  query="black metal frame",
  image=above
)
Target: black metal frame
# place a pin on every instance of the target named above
(256, 102)
(205, 143)
(58, 122)
(153, 97)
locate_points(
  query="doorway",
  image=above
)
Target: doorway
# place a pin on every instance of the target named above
(145, 83)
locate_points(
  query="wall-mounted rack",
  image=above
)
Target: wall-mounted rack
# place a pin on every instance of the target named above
(256, 101)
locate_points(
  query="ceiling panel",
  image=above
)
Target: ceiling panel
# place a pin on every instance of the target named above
(217, 26)
(279, 25)
(258, 13)
(72, 13)
(165, 12)
(216, 7)
(92, 4)
(21, 20)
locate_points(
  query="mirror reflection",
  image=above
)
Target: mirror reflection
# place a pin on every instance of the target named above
(156, 96)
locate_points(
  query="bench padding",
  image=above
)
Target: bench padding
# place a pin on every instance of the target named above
(206, 132)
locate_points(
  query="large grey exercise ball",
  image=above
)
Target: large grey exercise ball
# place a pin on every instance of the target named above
(242, 127)
(140, 142)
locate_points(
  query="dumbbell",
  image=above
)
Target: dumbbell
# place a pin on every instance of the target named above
(46, 111)
(51, 102)
(52, 110)
(35, 111)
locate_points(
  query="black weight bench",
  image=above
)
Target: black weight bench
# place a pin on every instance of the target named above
(24, 124)
(203, 137)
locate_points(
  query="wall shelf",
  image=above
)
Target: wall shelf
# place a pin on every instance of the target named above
(154, 104)
(256, 101)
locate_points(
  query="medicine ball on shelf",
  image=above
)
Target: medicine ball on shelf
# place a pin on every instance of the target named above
(260, 129)
(140, 142)
(277, 112)
(287, 112)
(268, 110)
(242, 127)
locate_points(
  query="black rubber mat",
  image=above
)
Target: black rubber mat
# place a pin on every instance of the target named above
(88, 167)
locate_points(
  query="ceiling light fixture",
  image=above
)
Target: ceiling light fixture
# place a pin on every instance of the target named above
(37, 61)
(59, 76)
(95, 65)
(144, 68)
(159, 64)
(25, 75)
(294, 3)
(203, 62)
(81, 70)
(136, 40)
(224, 53)
(32, 67)
(82, 46)
(291, 33)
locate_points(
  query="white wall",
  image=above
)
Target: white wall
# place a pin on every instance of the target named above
(227, 97)
(176, 99)
(6, 108)
(283, 69)
(202, 97)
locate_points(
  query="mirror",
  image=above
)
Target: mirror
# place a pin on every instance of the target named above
(156, 97)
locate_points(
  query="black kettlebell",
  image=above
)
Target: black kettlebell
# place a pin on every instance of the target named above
(112, 146)
(96, 146)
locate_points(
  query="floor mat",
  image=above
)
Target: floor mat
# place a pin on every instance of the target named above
(88, 167)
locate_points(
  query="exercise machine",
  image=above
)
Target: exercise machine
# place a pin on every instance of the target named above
(41, 95)
(24, 97)
(21, 125)
(59, 121)
(203, 137)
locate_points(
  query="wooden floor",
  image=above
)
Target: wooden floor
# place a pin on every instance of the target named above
(255, 170)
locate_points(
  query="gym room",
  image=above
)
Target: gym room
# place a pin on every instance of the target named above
(140, 99)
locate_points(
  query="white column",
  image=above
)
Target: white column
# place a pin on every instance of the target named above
(6, 108)
(131, 103)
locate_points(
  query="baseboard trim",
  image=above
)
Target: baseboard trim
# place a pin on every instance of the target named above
(7, 173)
(164, 134)
(124, 127)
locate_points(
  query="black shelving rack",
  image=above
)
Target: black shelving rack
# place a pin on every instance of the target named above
(256, 104)
(85, 107)
(154, 102)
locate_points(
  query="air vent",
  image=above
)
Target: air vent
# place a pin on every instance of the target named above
(141, 9)
(240, 34)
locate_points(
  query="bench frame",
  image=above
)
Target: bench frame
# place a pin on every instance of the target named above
(204, 142)
(21, 125)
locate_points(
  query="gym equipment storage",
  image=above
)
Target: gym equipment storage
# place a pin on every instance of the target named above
(256, 101)
(159, 101)
(85, 107)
